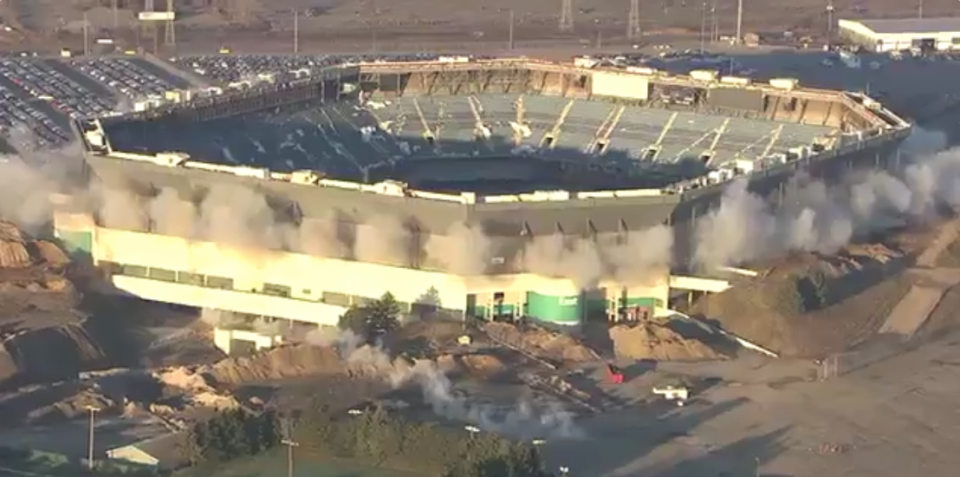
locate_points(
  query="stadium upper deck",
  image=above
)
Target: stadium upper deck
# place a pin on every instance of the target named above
(673, 139)
(348, 140)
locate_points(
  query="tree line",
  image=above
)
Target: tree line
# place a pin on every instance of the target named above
(375, 437)
(390, 440)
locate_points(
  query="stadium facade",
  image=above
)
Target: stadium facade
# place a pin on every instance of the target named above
(574, 138)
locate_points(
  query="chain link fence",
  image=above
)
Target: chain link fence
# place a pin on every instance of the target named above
(867, 354)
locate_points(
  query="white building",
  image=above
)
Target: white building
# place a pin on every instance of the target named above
(884, 35)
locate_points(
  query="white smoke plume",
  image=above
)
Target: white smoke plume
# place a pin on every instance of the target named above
(523, 420)
(818, 217)
(463, 249)
(225, 319)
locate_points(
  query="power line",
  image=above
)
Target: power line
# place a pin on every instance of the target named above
(566, 15)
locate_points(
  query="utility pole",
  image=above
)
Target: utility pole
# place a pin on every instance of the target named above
(739, 38)
(296, 32)
(86, 35)
(566, 15)
(703, 28)
(116, 15)
(510, 43)
(830, 10)
(633, 20)
(290, 445)
(714, 23)
(169, 33)
(93, 410)
(920, 10)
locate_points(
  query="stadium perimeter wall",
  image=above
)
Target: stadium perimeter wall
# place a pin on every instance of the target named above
(305, 288)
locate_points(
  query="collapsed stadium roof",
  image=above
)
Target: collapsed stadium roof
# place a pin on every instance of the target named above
(582, 151)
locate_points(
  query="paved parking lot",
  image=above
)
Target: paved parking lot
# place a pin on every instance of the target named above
(126, 77)
(28, 123)
(235, 68)
(43, 81)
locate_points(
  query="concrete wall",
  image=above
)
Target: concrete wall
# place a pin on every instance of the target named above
(307, 277)
(315, 289)
(223, 339)
(229, 300)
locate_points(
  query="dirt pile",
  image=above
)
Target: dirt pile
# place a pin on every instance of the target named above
(52, 353)
(659, 341)
(541, 343)
(278, 363)
(811, 305)
(20, 251)
(195, 388)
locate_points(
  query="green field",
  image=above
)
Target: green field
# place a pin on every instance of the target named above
(274, 464)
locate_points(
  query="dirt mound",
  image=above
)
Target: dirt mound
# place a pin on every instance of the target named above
(278, 363)
(51, 254)
(541, 343)
(20, 251)
(808, 305)
(52, 353)
(13, 249)
(482, 365)
(659, 341)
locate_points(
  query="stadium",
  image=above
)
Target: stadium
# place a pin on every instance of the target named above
(487, 188)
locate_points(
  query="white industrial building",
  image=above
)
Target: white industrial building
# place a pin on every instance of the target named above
(885, 35)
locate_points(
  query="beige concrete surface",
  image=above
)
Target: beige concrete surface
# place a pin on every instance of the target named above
(912, 311)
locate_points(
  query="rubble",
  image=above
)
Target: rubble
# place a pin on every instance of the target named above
(541, 343)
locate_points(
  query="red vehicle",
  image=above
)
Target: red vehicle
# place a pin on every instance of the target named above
(615, 374)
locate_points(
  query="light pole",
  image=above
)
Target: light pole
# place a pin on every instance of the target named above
(290, 445)
(703, 28)
(296, 32)
(93, 411)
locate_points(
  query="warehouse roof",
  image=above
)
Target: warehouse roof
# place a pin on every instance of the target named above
(912, 25)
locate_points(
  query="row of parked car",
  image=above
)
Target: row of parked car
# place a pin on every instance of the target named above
(228, 69)
(124, 76)
(44, 82)
(25, 125)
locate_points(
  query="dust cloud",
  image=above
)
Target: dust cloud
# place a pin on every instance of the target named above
(820, 217)
(814, 216)
(522, 420)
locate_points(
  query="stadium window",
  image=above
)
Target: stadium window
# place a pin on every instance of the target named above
(188, 278)
(134, 271)
(336, 299)
(276, 290)
(162, 274)
(362, 300)
(112, 268)
(222, 283)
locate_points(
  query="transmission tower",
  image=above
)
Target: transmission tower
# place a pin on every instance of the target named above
(633, 21)
(566, 15)
(169, 33)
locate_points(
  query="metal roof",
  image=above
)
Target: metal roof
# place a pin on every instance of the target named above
(912, 25)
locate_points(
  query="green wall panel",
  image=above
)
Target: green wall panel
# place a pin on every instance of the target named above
(564, 310)
(76, 243)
